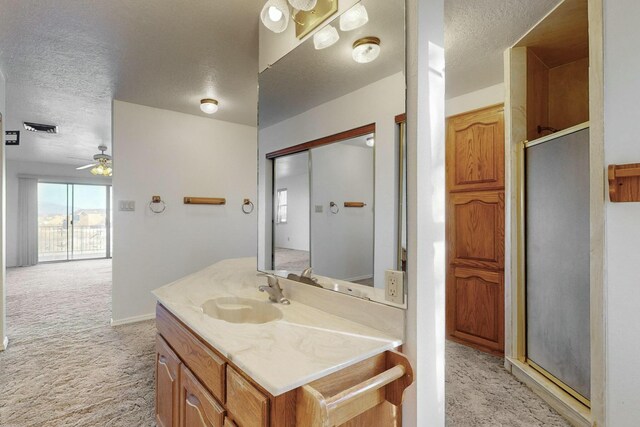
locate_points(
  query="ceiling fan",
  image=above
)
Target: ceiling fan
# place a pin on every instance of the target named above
(102, 164)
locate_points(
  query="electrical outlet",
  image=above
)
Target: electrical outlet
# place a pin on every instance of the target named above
(394, 286)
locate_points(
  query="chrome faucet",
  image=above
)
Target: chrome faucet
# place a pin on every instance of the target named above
(305, 277)
(274, 290)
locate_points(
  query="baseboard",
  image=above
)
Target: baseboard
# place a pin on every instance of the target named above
(5, 344)
(576, 413)
(134, 319)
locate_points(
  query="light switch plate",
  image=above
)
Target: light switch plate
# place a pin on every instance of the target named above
(394, 286)
(127, 205)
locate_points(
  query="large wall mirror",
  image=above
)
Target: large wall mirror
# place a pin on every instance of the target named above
(331, 152)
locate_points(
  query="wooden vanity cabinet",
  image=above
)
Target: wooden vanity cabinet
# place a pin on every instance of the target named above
(198, 387)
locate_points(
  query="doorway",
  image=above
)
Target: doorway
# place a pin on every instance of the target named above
(74, 221)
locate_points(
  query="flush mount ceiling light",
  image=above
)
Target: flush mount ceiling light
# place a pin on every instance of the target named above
(354, 18)
(326, 37)
(275, 15)
(209, 105)
(305, 5)
(38, 127)
(366, 49)
(371, 142)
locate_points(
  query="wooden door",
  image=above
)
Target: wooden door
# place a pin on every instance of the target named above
(167, 383)
(197, 407)
(475, 229)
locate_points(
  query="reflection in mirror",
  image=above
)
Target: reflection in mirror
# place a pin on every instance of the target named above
(342, 235)
(331, 162)
(291, 215)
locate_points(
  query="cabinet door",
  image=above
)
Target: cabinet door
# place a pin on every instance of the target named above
(475, 311)
(475, 150)
(167, 383)
(197, 407)
(476, 229)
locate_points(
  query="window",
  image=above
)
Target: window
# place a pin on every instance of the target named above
(281, 212)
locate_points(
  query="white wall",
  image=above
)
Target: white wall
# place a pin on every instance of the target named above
(377, 103)
(3, 111)
(481, 98)
(424, 344)
(342, 243)
(173, 155)
(274, 46)
(45, 172)
(622, 283)
(294, 234)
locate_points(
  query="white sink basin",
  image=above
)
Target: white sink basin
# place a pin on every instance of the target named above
(241, 310)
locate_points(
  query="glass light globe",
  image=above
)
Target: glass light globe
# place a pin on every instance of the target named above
(366, 50)
(209, 106)
(354, 18)
(326, 37)
(275, 15)
(305, 5)
(371, 142)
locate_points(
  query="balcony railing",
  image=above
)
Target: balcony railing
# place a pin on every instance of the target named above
(61, 242)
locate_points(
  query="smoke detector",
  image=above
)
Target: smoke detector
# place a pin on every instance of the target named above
(40, 128)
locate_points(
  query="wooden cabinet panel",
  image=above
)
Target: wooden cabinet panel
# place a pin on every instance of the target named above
(229, 423)
(207, 366)
(247, 406)
(197, 407)
(475, 150)
(476, 229)
(167, 384)
(475, 311)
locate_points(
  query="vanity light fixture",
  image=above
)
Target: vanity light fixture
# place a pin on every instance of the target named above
(275, 15)
(307, 14)
(209, 105)
(305, 5)
(366, 49)
(326, 37)
(371, 141)
(354, 18)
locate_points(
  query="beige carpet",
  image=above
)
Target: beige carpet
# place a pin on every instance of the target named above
(480, 392)
(66, 366)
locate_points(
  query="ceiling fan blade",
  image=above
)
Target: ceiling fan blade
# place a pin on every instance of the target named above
(86, 166)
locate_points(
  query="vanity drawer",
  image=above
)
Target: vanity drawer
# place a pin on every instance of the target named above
(207, 366)
(247, 406)
(197, 407)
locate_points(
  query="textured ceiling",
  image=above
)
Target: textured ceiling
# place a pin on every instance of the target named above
(65, 60)
(306, 78)
(478, 32)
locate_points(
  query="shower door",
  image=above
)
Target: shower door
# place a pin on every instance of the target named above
(557, 260)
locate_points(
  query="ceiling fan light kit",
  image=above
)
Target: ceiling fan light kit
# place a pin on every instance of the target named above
(103, 165)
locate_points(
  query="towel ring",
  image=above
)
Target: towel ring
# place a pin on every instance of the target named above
(247, 206)
(333, 207)
(156, 200)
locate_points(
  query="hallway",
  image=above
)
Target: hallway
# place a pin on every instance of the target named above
(65, 365)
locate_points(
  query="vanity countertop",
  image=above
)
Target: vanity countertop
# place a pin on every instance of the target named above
(304, 345)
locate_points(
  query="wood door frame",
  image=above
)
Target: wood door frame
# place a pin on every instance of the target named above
(515, 332)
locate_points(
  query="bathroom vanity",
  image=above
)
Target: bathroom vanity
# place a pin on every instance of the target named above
(227, 356)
